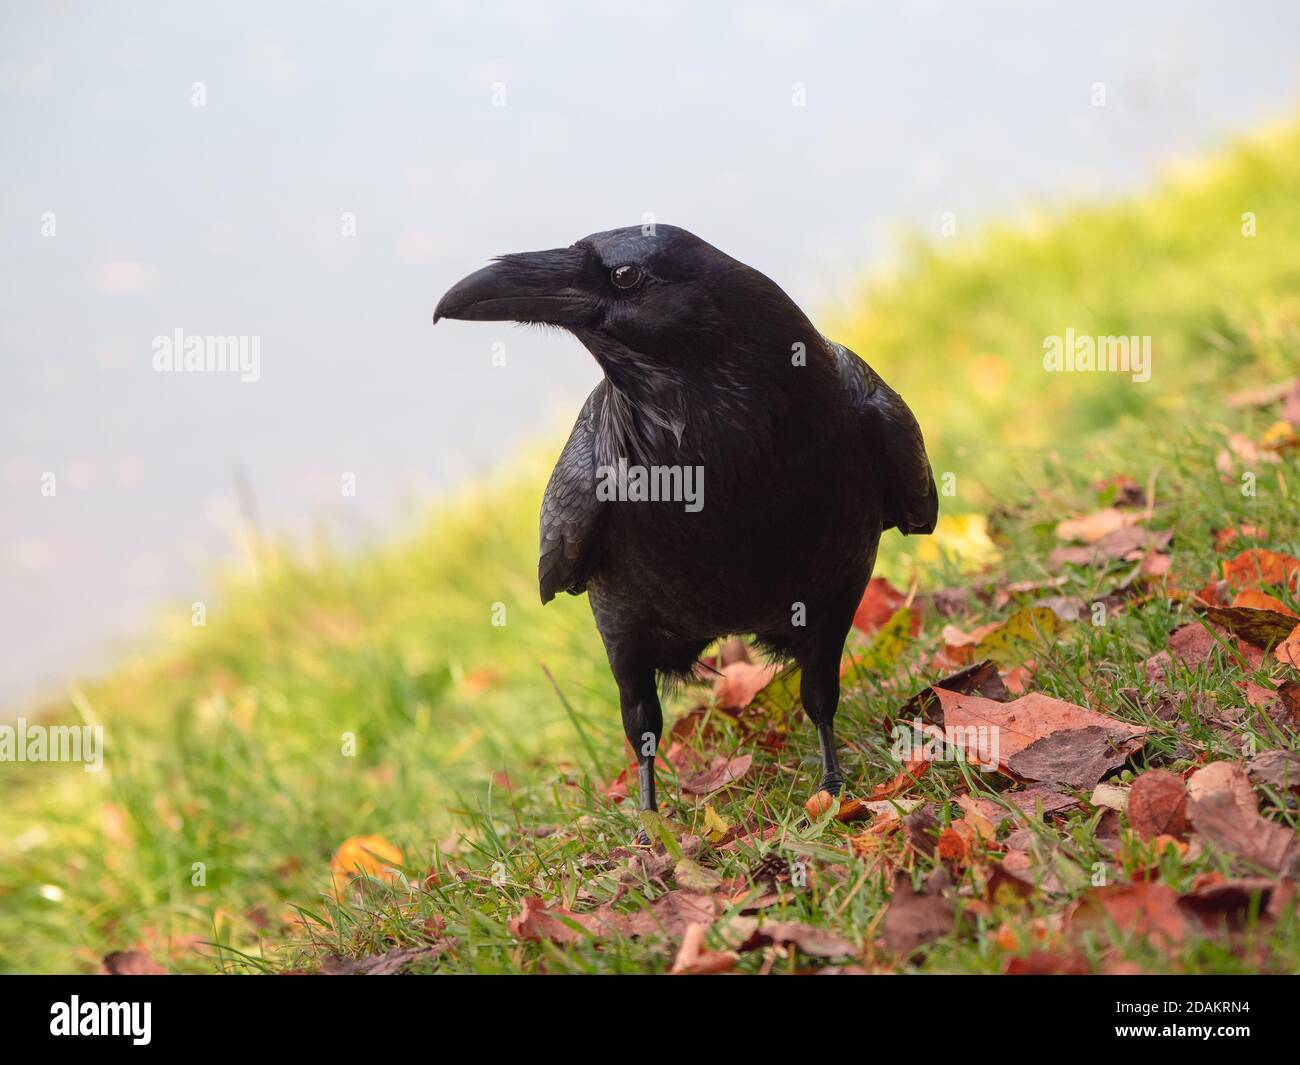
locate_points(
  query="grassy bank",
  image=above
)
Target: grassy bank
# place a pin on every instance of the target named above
(374, 696)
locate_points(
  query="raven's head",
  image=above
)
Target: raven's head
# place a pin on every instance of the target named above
(654, 298)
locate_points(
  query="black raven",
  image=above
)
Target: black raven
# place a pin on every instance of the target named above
(731, 474)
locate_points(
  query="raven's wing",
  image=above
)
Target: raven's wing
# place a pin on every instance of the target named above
(911, 503)
(570, 510)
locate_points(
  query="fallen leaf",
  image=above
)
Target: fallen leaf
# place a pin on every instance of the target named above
(979, 679)
(1279, 769)
(1078, 757)
(721, 772)
(1131, 542)
(913, 920)
(692, 876)
(880, 601)
(1228, 902)
(1111, 796)
(130, 963)
(670, 914)
(1143, 909)
(809, 939)
(371, 856)
(1253, 597)
(1288, 651)
(1027, 626)
(1046, 963)
(716, 826)
(536, 922)
(1092, 527)
(693, 959)
(1191, 645)
(1157, 805)
(389, 963)
(739, 682)
(1260, 566)
(998, 731)
(1232, 827)
(1223, 776)
(1263, 627)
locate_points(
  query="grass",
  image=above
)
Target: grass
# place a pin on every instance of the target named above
(335, 697)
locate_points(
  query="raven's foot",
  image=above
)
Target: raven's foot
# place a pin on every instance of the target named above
(642, 838)
(832, 783)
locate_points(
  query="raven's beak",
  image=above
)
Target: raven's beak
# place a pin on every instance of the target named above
(538, 286)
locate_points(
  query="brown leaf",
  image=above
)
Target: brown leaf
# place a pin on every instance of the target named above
(1227, 902)
(913, 920)
(536, 922)
(739, 682)
(1077, 757)
(818, 942)
(1001, 730)
(1223, 776)
(1157, 805)
(1191, 645)
(1143, 909)
(880, 601)
(389, 963)
(722, 772)
(694, 959)
(1131, 542)
(1263, 627)
(130, 963)
(1223, 809)
(1092, 527)
(1280, 769)
(670, 914)
(1029, 800)
(979, 679)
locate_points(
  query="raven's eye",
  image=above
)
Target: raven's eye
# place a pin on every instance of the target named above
(625, 276)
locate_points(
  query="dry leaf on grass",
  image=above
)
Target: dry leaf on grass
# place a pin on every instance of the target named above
(372, 856)
(721, 772)
(1157, 805)
(1263, 627)
(739, 682)
(880, 601)
(1223, 821)
(999, 731)
(1279, 769)
(1076, 757)
(914, 920)
(1144, 909)
(389, 963)
(1190, 645)
(130, 963)
(1288, 651)
(694, 959)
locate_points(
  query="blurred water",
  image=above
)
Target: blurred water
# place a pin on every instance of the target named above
(226, 219)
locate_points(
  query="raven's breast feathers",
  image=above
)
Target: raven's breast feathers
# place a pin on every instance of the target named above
(910, 501)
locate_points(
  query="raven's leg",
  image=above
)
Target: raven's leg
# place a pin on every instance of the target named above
(643, 723)
(819, 690)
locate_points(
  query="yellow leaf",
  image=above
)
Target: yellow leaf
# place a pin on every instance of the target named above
(1026, 627)
(716, 826)
(963, 538)
(372, 855)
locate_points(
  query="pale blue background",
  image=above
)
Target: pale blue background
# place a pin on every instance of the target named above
(230, 215)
